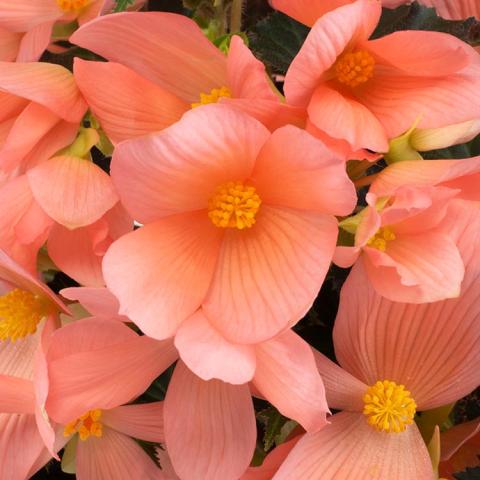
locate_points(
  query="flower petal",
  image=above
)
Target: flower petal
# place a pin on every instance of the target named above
(98, 301)
(209, 427)
(9, 45)
(23, 15)
(288, 378)
(161, 272)
(35, 42)
(209, 355)
(454, 438)
(267, 277)
(16, 395)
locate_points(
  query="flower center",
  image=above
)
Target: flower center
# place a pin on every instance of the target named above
(72, 5)
(86, 426)
(234, 205)
(354, 68)
(389, 407)
(213, 97)
(381, 238)
(20, 313)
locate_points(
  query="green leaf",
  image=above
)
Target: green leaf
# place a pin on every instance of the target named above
(121, 5)
(273, 421)
(418, 17)
(468, 474)
(276, 40)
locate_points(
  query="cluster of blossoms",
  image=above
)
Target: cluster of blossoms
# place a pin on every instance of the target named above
(210, 237)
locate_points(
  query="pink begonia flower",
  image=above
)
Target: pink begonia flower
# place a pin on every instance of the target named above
(366, 92)
(418, 356)
(459, 448)
(240, 227)
(162, 65)
(28, 314)
(455, 9)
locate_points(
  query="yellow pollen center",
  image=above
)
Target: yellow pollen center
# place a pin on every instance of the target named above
(213, 97)
(381, 238)
(20, 313)
(354, 68)
(86, 426)
(389, 407)
(72, 5)
(234, 205)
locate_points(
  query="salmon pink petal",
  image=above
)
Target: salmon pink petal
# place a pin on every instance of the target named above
(454, 438)
(306, 11)
(167, 49)
(288, 378)
(267, 277)
(428, 265)
(343, 390)
(23, 15)
(209, 427)
(73, 191)
(169, 264)
(328, 38)
(126, 104)
(210, 146)
(247, 77)
(98, 301)
(16, 395)
(49, 85)
(350, 449)
(143, 421)
(95, 363)
(35, 42)
(207, 354)
(415, 345)
(9, 44)
(114, 455)
(291, 166)
(454, 9)
(346, 118)
(345, 257)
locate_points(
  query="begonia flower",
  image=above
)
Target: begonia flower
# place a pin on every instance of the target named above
(369, 91)
(396, 359)
(162, 65)
(221, 230)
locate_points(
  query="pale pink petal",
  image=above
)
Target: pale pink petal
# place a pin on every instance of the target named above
(328, 38)
(347, 119)
(98, 301)
(454, 438)
(9, 44)
(23, 15)
(115, 456)
(169, 265)
(210, 146)
(288, 378)
(454, 9)
(209, 355)
(247, 77)
(126, 104)
(16, 395)
(35, 42)
(343, 390)
(267, 277)
(350, 449)
(290, 169)
(143, 421)
(167, 49)
(49, 85)
(430, 348)
(100, 363)
(209, 427)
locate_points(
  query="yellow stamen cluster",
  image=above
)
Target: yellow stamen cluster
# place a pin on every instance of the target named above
(234, 205)
(72, 5)
(20, 313)
(213, 97)
(389, 407)
(354, 68)
(86, 426)
(381, 238)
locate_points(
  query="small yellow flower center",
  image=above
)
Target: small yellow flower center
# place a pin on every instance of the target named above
(234, 205)
(213, 97)
(354, 68)
(381, 238)
(389, 407)
(86, 426)
(20, 313)
(72, 5)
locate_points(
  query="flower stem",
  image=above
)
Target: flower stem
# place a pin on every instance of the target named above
(236, 16)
